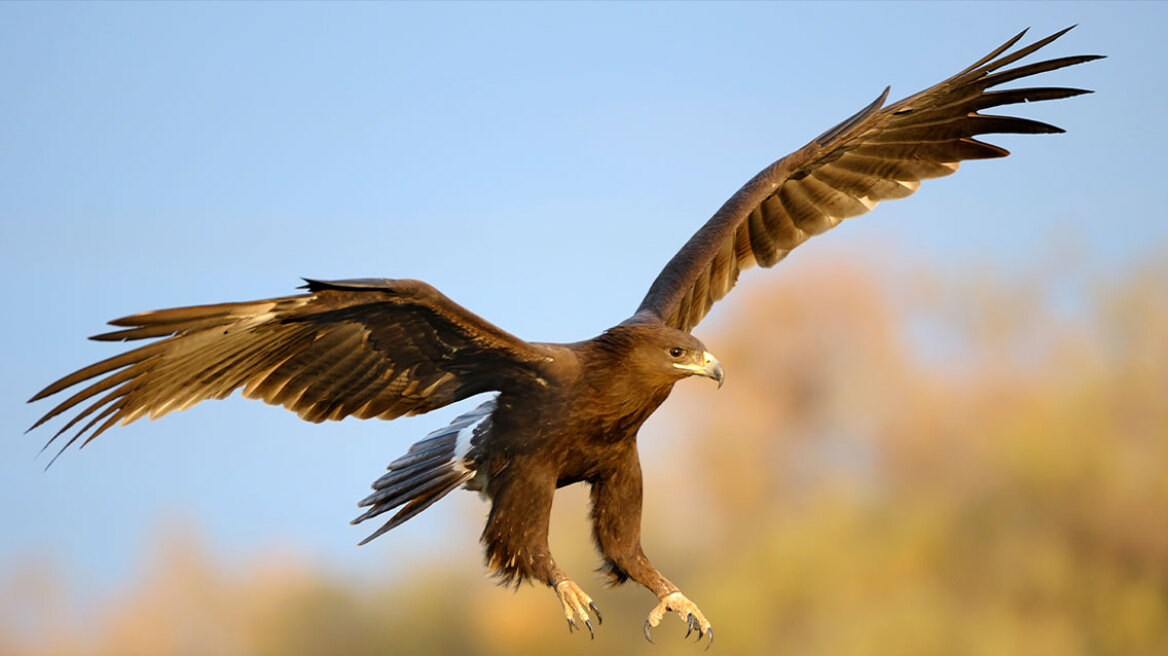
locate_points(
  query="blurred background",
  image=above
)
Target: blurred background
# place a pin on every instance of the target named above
(944, 427)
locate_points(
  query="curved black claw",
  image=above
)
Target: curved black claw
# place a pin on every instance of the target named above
(647, 636)
(709, 638)
(599, 619)
(572, 626)
(692, 624)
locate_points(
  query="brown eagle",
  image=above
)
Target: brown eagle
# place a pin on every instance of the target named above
(559, 413)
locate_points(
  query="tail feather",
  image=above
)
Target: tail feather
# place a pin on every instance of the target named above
(391, 481)
(414, 457)
(410, 485)
(416, 506)
(432, 468)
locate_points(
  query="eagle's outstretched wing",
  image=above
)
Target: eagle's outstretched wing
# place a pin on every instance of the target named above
(879, 154)
(362, 348)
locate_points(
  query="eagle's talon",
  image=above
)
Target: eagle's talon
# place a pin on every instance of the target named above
(575, 601)
(599, 619)
(709, 638)
(647, 636)
(688, 612)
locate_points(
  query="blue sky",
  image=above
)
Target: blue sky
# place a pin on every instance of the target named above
(538, 163)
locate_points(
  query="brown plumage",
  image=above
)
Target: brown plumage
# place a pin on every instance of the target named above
(560, 413)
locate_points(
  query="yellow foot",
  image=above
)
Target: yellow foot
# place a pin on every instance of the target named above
(575, 603)
(686, 610)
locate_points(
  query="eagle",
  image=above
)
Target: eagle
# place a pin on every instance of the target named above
(554, 414)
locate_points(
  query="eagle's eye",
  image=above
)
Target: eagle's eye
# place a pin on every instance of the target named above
(676, 351)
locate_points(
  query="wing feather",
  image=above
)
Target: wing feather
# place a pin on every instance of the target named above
(765, 251)
(880, 153)
(367, 348)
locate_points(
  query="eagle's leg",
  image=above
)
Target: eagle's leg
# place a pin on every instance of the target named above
(516, 543)
(616, 527)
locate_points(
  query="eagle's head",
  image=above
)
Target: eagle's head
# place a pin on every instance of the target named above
(661, 353)
(683, 355)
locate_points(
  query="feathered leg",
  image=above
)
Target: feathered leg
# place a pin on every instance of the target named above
(616, 527)
(516, 541)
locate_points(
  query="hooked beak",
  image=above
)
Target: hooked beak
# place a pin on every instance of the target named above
(710, 368)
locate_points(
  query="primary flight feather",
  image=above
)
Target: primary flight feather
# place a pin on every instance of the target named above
(560, 413)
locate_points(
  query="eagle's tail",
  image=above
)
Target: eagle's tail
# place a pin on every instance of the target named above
(430, 470)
